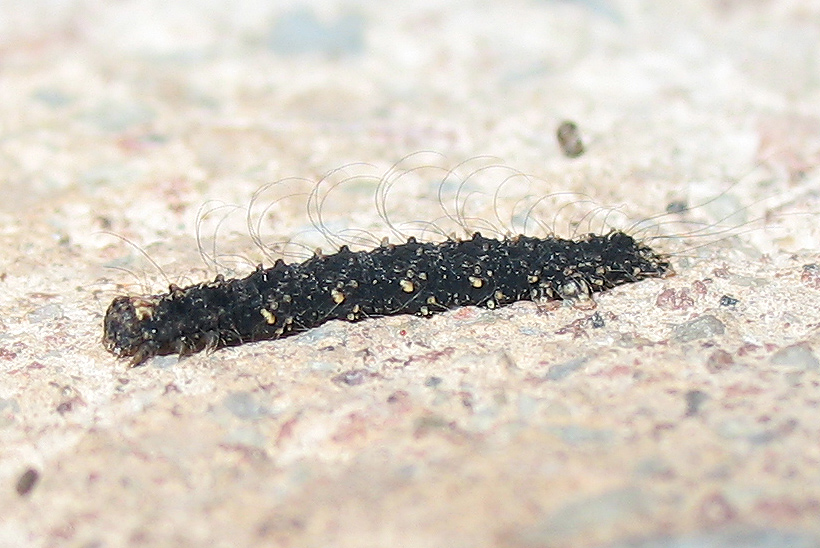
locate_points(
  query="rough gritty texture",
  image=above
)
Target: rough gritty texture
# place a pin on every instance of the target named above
(662, 418)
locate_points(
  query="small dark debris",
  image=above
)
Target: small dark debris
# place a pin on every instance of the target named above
(718, 361)
(105, 222)
(811, 275)
(694, 400)
(65, 407)
(353, 377)
(570, 139)
(398, 396)
(727, 300)
(433, 382)
(27, 481)
(678, 206)
(597, 320)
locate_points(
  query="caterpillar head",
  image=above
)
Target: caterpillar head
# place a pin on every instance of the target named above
(124, 331)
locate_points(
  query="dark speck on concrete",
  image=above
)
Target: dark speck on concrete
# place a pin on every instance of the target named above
(676, 207)
(65, 407)
(719, 360)
(569, 137)
(727, 300)
(694, 400)
(27, 481)
(353, 377)
(433, 382)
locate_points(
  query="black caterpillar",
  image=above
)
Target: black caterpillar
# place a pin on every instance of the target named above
(410, 278)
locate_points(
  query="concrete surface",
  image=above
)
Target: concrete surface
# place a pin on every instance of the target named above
(681, 422)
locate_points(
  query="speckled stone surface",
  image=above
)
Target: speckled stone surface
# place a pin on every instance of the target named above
(674, 413)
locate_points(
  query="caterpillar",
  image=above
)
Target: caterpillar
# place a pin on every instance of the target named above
(414, 277)
(409, 278)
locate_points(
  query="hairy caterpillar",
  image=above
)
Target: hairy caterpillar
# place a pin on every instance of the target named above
(414, 277)
(410, 278)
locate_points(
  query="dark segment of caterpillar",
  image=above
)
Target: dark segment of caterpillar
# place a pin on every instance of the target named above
(410, 278)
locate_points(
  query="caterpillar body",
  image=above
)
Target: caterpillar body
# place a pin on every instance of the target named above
(415, 277)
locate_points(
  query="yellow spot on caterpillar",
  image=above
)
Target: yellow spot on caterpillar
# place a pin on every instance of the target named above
(407, 286)
(431, 300)
(410, 273)
(476, 282)
(499, 296)
(533, 279)
(356, 309)
(422, 275)
(144, 308)
(287, 298)
(269, 317)
(491, 304)
(569, 289)
(338, 296)
(424, 311)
